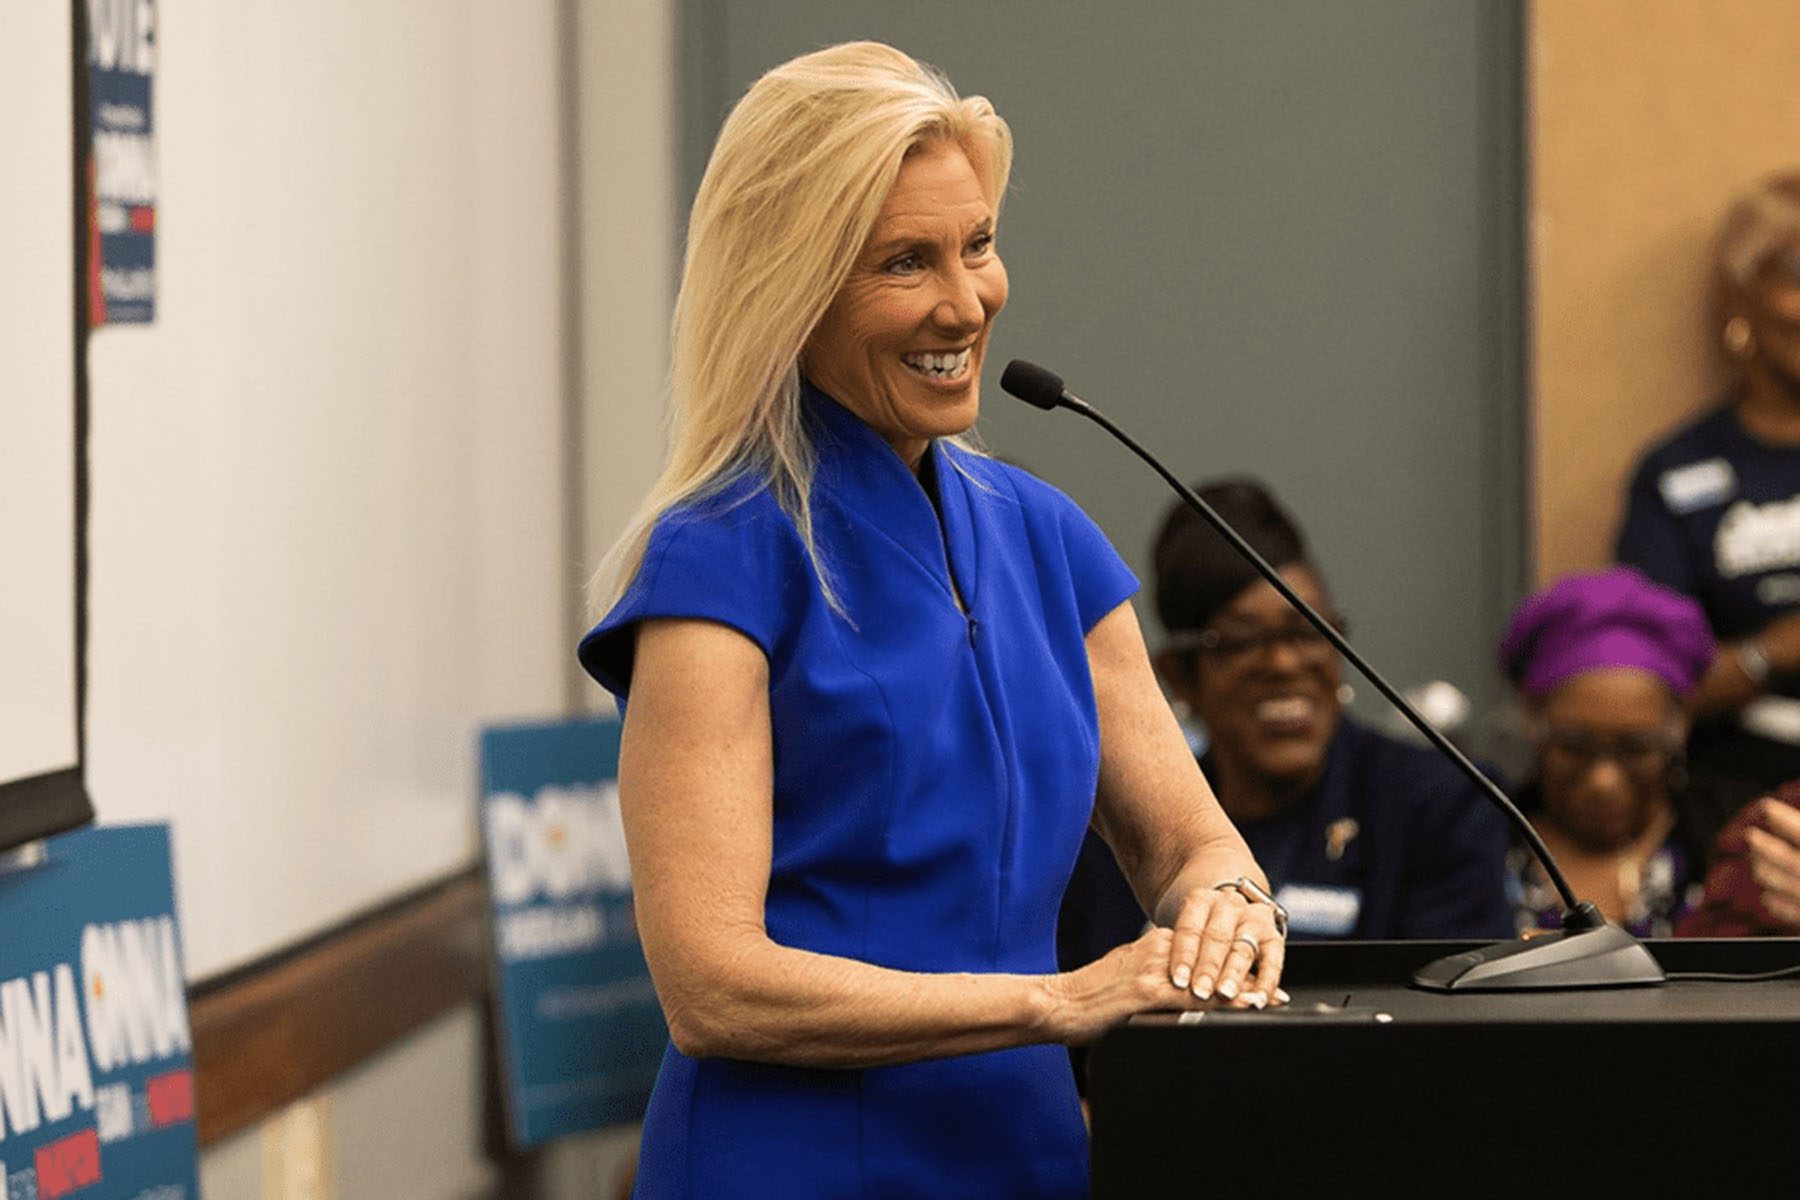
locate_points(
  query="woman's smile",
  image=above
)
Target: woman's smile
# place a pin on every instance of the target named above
(950, 367)
(902, 344)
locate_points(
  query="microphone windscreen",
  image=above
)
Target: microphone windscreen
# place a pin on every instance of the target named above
(1033, 384)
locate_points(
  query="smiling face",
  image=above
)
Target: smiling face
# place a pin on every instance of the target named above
(1772, 304)
(902, 344)
(1268, 690)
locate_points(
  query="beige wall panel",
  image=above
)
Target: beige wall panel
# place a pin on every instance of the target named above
(1647, 116)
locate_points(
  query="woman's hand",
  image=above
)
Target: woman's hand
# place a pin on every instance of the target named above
(1775, 859)
(1141, 976)
(1131, 979)
(1171, 838)
(1224, 945)
(1780, 641)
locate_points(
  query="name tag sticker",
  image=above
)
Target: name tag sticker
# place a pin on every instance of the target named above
(1778, 591)
(1697, 485)
(1320, 910)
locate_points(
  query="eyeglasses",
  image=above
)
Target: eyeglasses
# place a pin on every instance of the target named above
(1239, 646)
(1644, 756)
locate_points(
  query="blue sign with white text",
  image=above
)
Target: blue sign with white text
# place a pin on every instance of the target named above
(581, 1028)
(96, 1070)
(122, 170)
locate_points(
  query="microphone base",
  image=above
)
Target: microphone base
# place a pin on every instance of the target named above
(1602, 957)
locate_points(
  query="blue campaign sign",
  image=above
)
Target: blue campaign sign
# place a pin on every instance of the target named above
(96, 1072)
(580, 1028)
(122, 171)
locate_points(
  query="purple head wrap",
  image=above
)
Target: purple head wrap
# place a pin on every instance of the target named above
(1615, 618)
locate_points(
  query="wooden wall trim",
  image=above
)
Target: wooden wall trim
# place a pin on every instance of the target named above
(268, 1034)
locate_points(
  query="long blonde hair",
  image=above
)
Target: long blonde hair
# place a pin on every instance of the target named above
(795, 183)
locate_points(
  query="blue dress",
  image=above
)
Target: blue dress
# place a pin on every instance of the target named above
(934, 773)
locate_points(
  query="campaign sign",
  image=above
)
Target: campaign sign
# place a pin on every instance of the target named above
(96, 1072)
(122, 171)
(580, 1028)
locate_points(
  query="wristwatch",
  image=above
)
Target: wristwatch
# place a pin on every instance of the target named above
(1753, 660)
(1255, 893)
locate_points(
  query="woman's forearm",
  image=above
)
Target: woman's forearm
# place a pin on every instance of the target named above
(1726, 686)
(775, 1004)
(1741, 670)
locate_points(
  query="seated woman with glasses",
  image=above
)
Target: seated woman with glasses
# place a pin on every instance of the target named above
(1607, 665)
(1362, 836)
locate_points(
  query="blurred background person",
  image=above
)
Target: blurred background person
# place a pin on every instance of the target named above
(1714, 511)
(1362, 835)
(1606, 664)
(1753, 884)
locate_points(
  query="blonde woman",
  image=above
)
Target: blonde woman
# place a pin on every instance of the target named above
(877, 686)
(1714, 511)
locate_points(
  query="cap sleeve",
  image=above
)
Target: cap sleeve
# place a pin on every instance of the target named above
(731, 561)
(1099, 577)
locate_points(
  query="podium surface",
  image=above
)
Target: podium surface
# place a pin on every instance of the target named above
(1368, 1086)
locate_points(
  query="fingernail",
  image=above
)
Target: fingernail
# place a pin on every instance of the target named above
(1203, 987)
(1181, 977)
(1228, 989)
(1255, 999)
(1281, 996)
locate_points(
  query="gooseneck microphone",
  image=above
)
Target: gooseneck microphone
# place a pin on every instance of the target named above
(1588, 951)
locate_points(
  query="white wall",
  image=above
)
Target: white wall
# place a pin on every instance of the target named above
(37, 391)
(327, 519)
(629, 236)
(333, 500)
(625, 258)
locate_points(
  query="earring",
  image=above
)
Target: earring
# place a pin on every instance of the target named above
(1740, 339)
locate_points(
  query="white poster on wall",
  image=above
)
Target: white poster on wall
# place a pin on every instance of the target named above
(37, 396)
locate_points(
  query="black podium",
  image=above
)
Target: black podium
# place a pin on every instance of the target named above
(1368, 1087)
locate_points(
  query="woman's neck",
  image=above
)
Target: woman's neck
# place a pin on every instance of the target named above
(1249, 795)
(1769, 406)
(1609, 875)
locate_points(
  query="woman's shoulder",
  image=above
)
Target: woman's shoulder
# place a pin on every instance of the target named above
(1008, 483)
(1713, 433)
(1065, 542)
(1403, 774)
(740, 501)
(736, 532)
(729, 555)
(731, 524)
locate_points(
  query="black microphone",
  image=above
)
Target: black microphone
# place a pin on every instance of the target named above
(1587, 952)
(1035, 385)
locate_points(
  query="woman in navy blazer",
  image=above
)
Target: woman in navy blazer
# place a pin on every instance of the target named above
(876, 685)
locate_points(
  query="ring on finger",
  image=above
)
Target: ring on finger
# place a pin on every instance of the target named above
(1250, 941)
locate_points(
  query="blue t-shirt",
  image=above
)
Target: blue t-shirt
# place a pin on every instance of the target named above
(934, 773)
(1392, 842)
(1715, 514)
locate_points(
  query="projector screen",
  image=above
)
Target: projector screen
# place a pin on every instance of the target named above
(40, 408)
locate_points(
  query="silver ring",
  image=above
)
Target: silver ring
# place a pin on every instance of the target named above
(1255, 946)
